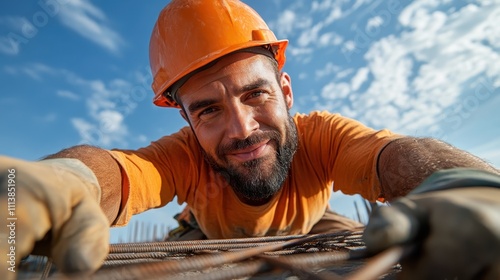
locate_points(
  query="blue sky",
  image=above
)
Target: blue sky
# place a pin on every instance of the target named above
(77, 71)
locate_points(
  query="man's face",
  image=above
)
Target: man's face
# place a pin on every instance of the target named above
(238, 110)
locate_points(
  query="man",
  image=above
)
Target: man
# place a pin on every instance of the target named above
(244, 165)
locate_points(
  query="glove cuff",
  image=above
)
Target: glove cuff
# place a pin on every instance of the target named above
(457, 178)
(79, 169)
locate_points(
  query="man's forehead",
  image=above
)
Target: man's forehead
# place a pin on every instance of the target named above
(234, 70)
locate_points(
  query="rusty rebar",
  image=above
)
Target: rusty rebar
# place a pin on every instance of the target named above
(211, 241)
(318, 256)
(201, 262)
(379, 264)
(234, 271)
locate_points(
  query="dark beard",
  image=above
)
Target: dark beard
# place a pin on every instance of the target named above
(257, 186)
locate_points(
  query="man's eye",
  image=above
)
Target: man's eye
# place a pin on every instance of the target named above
(207, 111)
(256, 94)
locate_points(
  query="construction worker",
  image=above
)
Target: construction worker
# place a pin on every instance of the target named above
(246, 167)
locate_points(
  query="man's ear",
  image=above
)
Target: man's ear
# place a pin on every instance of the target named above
(286, 86)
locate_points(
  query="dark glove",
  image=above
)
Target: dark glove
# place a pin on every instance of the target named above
(454, 231)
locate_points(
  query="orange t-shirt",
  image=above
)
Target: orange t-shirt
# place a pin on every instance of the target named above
(332, 149)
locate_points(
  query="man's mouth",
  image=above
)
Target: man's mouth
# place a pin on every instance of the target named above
(251, 152)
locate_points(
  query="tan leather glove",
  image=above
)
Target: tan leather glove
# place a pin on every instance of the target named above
(455, 232)
(56, 197)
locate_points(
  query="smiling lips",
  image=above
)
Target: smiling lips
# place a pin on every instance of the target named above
(251, 152)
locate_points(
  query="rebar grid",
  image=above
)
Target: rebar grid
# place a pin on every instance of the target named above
(319, 256)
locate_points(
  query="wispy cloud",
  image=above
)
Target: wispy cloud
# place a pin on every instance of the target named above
(432, 63)
(48, 118)
(360, 78)
(9, 43)
(412, 80)
(108, 102)
(107, 111)
(36, 71)
(91, 23)
(68, 95)
(327, 70)
(81, 16)
(374, 22)
(104, 130)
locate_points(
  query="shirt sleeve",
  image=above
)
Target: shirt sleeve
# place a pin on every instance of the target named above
(346, 152)
(152, 176)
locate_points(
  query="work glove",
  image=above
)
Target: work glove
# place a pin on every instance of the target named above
(51, 208)
(449, 226)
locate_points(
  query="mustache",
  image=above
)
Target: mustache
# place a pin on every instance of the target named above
(253, 139)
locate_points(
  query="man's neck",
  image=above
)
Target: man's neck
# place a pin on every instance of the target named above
(253, 202)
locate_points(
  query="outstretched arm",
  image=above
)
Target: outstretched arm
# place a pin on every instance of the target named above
(64, 205)
(448, 227)
(450, 220)
(106, 170)
(404, 163)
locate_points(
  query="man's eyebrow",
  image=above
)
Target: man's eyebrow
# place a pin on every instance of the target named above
(197, 105)
(261, 82)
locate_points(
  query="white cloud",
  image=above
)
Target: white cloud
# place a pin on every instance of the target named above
(343, 73)
(309, 36)
(360, 78)
(310, 31)
(142, 138)
(335, 13)
(303, 75)
(374, 22)
(301, 53)
(91, 23)
(289, 22)
(285, 23)
(348, 46)
(413, 77)
(452, 51)
(335, 90)
(329, 39)
(20, 30)
(105, 129)
(317, 6)
(327, 70)
(334, 9)
(108, 102)
(111, 121)
(34, 70)
(68, 95)
(83, 127)
(91, 134)
(8, 46)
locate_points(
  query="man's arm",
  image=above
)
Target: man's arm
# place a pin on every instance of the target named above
(59, 206)
(404, 163)
(106, 170)
(449, 228)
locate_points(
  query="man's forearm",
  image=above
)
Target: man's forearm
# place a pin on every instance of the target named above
(106, 170)
(405, 163)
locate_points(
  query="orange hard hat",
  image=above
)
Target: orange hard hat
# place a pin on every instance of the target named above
(190, 34)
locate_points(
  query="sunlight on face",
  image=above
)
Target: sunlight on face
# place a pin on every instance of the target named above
(238, 110)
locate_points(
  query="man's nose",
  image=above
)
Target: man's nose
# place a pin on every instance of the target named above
(241, 122)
